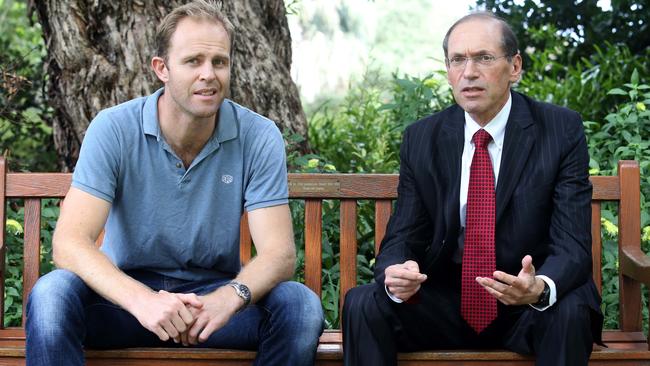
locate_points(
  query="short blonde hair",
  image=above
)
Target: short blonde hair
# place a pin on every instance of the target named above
(198, 9)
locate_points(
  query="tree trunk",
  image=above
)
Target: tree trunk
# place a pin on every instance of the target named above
(99, 54)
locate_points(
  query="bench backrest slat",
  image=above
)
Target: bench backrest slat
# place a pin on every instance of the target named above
(31, 246)
(596, 246)
(348, 255)
(629, 228)
(383, 210)
(313, 244)
(245, 241)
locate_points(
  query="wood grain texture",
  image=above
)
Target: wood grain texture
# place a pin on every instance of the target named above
(382, 215)
(54, 185)
(348, 255)
(31, 247)
(629, 237)
(313, 244)
(596, 249)
(245, 240)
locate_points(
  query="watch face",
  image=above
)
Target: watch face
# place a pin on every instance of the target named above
(242, 291)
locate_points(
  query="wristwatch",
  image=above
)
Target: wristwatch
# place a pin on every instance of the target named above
(544, 297)
(242, 291)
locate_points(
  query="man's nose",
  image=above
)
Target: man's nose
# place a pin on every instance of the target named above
(207, 72)
(470, 71)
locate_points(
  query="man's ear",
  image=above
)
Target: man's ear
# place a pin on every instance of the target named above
(517, 68)
(160, 68)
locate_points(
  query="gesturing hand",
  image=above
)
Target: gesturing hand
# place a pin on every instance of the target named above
(522, 289)
(404, 280)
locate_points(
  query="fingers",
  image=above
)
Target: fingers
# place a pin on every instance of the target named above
(168, 316)
(527, 265)
(408, 271)
(161, 333)
(404, 280)
(210, 328)
(196, 329)
(170, 329)
(190, 299)
(412, 266)
(517, 293)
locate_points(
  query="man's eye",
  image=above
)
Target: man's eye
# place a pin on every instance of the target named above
(458, 60)
(486, 58)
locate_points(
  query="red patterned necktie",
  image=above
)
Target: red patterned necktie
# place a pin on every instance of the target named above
(478, 307)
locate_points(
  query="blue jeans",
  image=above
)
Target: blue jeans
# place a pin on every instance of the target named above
(64, 316)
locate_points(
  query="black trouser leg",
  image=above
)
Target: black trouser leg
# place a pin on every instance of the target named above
(560, 335)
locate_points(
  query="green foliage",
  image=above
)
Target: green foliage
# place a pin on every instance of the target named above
(24, 135)
(583, 23)
(363, 133)
(582, 85)
(13, 301)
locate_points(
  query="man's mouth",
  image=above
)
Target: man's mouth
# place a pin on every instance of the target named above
(472, 89)
(206, 92)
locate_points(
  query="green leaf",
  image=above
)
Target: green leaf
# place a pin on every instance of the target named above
(635, 77)
(617, 91)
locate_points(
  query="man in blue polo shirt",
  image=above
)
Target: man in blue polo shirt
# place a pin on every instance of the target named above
(167, 177)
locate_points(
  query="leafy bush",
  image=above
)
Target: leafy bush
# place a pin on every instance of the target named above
(581, 86)
(623, 135)
(13, 301)
(364, 132)
(24, 135)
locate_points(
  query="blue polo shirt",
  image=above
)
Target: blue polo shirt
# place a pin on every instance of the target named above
(179, 222)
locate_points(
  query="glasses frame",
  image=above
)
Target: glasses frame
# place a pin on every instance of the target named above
(478, 60)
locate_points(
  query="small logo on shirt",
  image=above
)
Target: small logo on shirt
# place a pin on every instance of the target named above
(226, 178)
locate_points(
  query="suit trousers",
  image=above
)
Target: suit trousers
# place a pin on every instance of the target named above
(375, 328)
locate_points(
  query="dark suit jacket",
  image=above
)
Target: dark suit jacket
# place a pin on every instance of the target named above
(543, 197)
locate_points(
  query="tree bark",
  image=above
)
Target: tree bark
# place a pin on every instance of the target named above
(99, 54)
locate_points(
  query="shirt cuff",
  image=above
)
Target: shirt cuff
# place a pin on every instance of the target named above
(553, 296)
(392, 297)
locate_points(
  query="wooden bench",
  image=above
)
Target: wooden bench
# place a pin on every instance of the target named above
(627, 345)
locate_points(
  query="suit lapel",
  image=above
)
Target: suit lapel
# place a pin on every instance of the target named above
(451, 149)
(519, 139)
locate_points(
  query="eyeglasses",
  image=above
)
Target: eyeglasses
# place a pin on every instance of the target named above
(484, 61)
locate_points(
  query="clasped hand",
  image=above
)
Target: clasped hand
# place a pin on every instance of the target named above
(187, 318)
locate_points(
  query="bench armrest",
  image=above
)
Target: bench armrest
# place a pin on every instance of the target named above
(635, 264)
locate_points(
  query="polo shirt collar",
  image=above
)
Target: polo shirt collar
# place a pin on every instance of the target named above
(226, 126)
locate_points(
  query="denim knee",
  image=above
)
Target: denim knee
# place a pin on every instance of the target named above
(55, 303)
(298, 313)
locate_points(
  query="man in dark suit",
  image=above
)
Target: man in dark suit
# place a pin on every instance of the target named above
(489, 245)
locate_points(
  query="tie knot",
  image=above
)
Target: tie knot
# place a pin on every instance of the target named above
(481, 138)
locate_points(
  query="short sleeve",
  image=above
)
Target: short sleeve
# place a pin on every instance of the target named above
(97, 169)
(267, 180)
